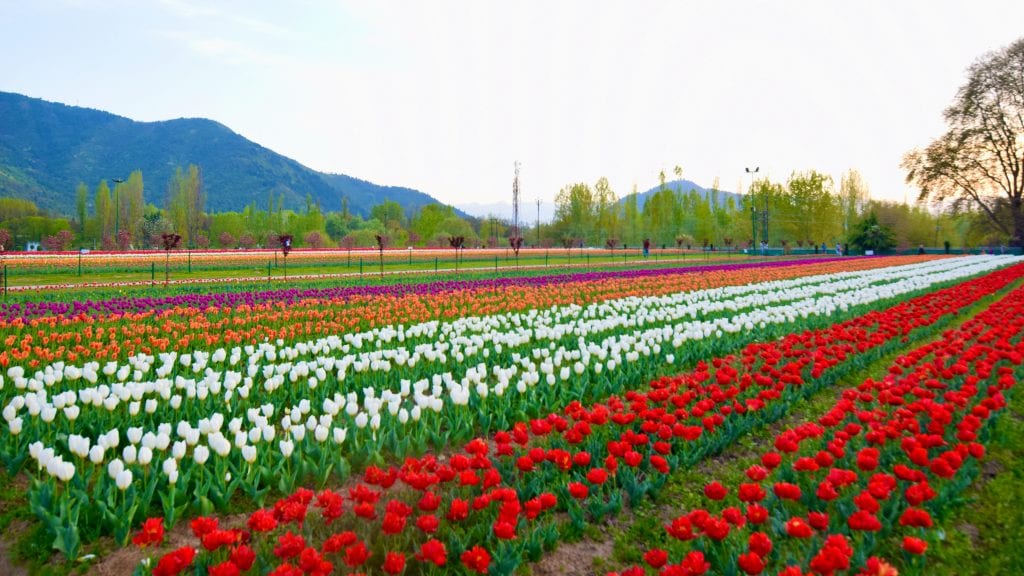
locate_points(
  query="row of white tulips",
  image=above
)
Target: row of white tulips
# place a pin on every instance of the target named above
(255, 404)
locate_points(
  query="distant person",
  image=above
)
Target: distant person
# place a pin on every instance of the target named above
(824, 248)
(839, 249)
(920, 249)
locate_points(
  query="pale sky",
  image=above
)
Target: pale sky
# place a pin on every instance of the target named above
(445, 96)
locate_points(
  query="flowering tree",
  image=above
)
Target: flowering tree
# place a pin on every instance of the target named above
(169, 242)
(246, 241)
(314, 240)
(59, 241)
(124, 239)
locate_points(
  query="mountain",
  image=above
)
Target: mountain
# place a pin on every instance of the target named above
(47, 148)
(685, 186)
(503, 211)
(528, 210)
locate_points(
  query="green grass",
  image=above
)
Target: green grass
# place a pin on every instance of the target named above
(95, 269)
(984, 535)
(259, 282)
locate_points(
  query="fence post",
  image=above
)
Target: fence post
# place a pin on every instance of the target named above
(495, 263)
(268, 272)
(152, 272)
(545, 258)
(5, 282)
(360, 266)
(79, 263)
(435, 264)
(189, 261)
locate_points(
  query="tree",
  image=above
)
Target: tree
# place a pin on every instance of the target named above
(133, 205)
(11, 208)
(226, 240)
(980, 158)
(390, 213)
(607, 211)
(246, 241)
(632, 220)
(575, 212)
(103, 210)
(81, 199)
(314, 240)
(61, 240)
(429, 221)
(186, 200)
(870, 234)
(153, 227)
(853, 196)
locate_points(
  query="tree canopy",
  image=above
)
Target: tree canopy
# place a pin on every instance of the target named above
(870, 234)
(980, 158)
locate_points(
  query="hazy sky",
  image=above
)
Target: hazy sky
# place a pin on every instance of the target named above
(445, 96)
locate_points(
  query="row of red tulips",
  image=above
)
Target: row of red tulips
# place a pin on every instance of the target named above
(491, 506)
(882, 465)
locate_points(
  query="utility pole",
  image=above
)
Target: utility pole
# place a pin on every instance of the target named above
(515, 202)
(538, 222)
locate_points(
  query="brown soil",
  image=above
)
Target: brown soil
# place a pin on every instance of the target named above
(574, 559)
(6, 566)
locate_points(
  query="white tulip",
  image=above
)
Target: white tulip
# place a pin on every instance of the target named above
(96, 454)
(200, 454)
(286, 448)
(115, 467)
(339, 435)
(123, 479)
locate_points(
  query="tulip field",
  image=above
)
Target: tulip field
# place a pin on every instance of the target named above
(472, 426)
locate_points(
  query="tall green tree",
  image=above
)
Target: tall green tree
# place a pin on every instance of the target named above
(575, 213)
(186, 202)
(607, 213)
(632, 220)
(853, 197)
(103, 214)
(81, 209)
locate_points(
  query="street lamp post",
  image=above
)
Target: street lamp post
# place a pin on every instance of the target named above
(117, 207)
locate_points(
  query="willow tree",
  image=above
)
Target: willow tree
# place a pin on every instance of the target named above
(980, 159)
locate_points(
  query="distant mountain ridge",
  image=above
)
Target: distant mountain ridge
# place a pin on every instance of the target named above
(47, 148)
(683, 186)
(528, 210)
